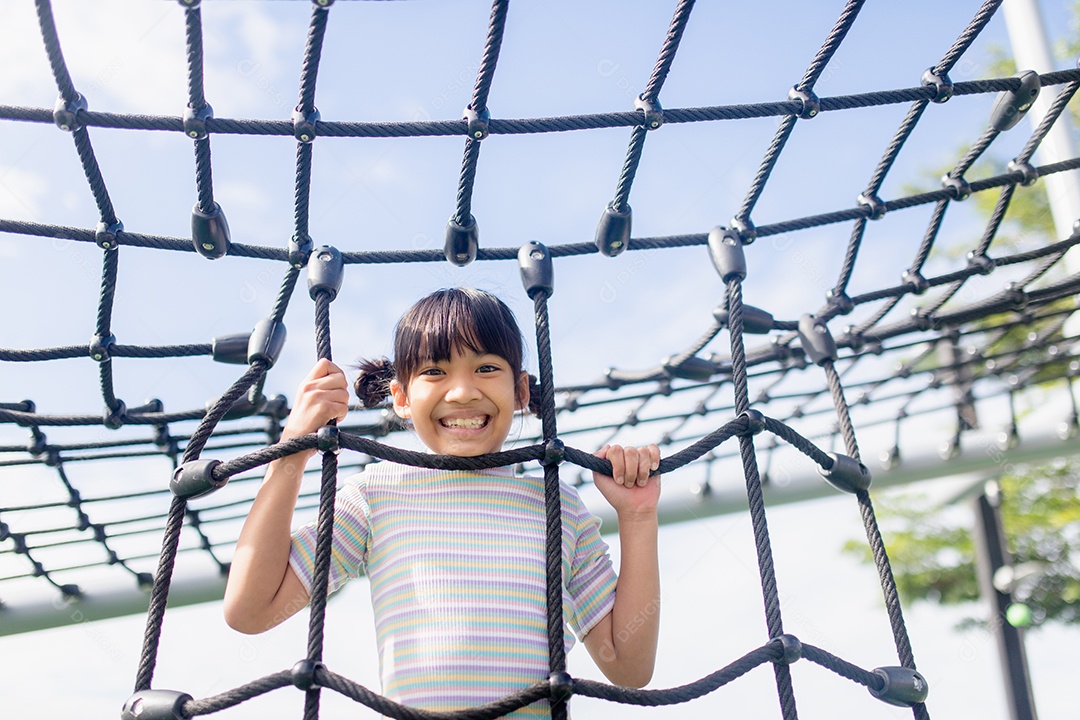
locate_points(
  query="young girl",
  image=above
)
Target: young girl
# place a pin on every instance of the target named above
(456, 558)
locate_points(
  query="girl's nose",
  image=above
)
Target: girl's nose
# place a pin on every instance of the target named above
(462, 389)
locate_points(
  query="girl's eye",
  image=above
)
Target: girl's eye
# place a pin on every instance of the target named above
(431, 371)
(488, 368)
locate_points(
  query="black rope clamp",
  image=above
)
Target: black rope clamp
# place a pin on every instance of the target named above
(304, 124)
(1028, 174)
(105, 234)
(266, 341)
(846, 474)
(726, 251)
(791, 647)
(210, 232)
(66, 114)
(190, 3)
(537, 270)
(957, 187)
(689, 368)
(840, 300)
(230, 349)
(744, 228)
(755, 422)
(554, 452)
(114, 417)
(477, 122)
(300, 247)
(809, 105)
(650, 108)
(914, 279)
(100, 346)
(195, 479)
(872, 204)
(903, 686)
(323, 4)
(982, 263)
(325, 271)
(156, 705)
(561, 687)
(755, 321)
(943, 87)
(195, 121)
(462, 242)
(613, 232)
(817, 342)
(303, 672)
(329, 439)
(1012, 105)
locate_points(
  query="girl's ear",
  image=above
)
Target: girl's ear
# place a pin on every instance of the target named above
(401, 399)
(521, 391)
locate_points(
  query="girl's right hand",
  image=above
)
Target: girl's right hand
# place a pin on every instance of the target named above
(322, 396)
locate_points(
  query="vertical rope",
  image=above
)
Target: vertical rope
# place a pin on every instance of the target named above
(756, 500)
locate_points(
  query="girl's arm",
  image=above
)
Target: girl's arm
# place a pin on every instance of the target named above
(623, 644)
(262, 589)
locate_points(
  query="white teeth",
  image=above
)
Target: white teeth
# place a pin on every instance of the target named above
(471, 423)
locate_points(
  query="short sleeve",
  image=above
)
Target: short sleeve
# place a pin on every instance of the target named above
(591, 585)
(350, 539)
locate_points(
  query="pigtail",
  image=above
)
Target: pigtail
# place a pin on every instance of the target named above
(533, 405)
(372, 385)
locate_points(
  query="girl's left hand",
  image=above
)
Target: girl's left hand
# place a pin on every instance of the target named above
(630, 489)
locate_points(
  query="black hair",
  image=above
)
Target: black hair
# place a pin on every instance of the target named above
(445, 320)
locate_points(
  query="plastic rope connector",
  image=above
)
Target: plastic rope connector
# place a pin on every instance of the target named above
(755, 321)
(841, 301)
(190, 3)
(300, 247)
(266, 341)
(195, 479)
(654, 114)
(981, 263)
(230, 349)
(105, 234)
(156, 705)
(210, 232)
(726, 251)
(915, 280)
(325, 271)
(689, 368)
(809, 105)
(755, 422)
(537, 270)
(478, 122)
(903, 686)
(561, 687)
(462, 242)
(554, 452)
(195, 121)
(613, 232)
(872, 204)
(846, 473)
(302, 674)
(100, 346)
(329, 439)
(745, 229)
(791, 647)
(957, 187)
(66, 114)
(304, 124)
(943, 87)
(114, 418)
(1012, 105)
(1028, 174)
(323, 4)
(817, 341)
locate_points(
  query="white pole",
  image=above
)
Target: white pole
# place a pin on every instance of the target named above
(1027, 33)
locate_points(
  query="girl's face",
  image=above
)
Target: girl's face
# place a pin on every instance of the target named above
(463, 406)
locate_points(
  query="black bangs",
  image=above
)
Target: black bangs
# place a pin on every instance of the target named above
(455, 318)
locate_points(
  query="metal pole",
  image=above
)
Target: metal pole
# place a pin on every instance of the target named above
(992, 554)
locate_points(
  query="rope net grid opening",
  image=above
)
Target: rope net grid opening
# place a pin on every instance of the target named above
(913, 319)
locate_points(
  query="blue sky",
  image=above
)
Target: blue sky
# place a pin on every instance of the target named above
(409, 61)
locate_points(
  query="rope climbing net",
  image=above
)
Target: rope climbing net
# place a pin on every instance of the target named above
(973, 327)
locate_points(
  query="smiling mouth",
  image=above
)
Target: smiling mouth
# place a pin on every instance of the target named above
(471, 423)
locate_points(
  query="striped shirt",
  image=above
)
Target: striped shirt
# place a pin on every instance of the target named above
(456, 561)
